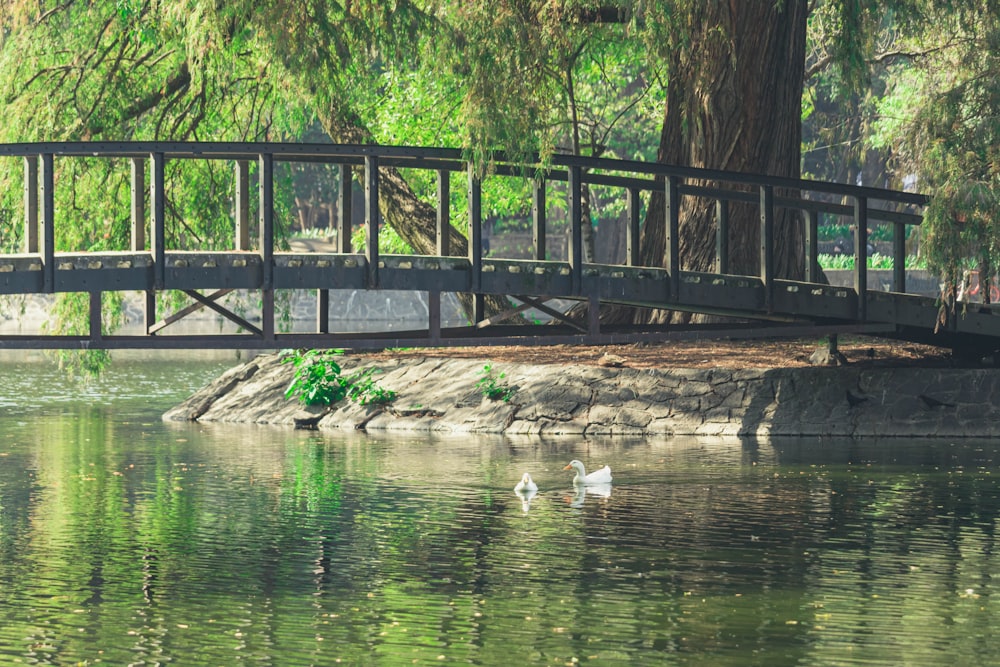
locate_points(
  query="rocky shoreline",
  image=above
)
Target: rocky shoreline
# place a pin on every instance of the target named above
(441, 395)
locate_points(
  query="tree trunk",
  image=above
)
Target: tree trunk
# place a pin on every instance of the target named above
(733, 102)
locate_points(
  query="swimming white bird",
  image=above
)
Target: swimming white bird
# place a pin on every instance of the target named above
(526, 484)
(602, 476)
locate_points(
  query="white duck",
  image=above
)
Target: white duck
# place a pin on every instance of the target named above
(525, 485)
(602, 476)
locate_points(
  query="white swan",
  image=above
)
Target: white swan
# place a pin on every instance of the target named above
(602, 476)
(526, 484)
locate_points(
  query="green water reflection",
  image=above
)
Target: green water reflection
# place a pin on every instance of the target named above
(127, 541)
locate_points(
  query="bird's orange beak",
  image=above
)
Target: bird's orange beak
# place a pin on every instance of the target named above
(567, 467)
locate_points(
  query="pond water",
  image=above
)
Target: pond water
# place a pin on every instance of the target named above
(124, 540)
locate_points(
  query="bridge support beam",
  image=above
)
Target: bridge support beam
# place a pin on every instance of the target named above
(157, 227)
(632, 232)
(575, 187)
(95, 317)
(722, 236)
(371, 219)
(241, 239)
(538, 219)
(812, 245)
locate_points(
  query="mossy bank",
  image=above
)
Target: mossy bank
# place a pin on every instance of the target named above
(435, 394)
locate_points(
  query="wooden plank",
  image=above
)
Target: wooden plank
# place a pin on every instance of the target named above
(157, 225)
(48, 239)
(266, 213)
(31, 203)
(434, 316)
(632, 232)
(671, 256)
(345, 210)
(575, 192)
(861, 255)
(322, 311)
(372, 220)
(475, 192)
(267, 314)
(538, 219)
(722, 236)
(443, 231)
(95, 317)
(138, 210)
(811, 232)
(899, 257)
(242, 232)
(767, 245)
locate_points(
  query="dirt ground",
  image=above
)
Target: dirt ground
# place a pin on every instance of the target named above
(755, 353)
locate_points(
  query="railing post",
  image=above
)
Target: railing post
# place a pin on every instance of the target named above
(95, 317)
(475, 186)
(899, 258)
(443, 213)
(767, 244)
(48, 239)
(575, 187)
(861, 255)
(538, 219)
(632, 233)
(242, 239)
(345, 210)
(157, 225)
(266, 175)
(138, 204)
(31, 203)
(672, 256)
(812, 246)
(722, 236)
(371, 219)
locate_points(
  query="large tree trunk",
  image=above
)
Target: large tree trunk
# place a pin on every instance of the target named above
(733, 102)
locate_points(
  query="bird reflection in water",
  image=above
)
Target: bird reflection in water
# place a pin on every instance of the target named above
(580, 493)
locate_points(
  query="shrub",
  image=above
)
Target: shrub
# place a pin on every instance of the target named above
(492, 385)
(318, 380)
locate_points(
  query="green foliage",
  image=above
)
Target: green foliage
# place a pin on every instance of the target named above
(318, 380)
(493, 387)
(875, 261)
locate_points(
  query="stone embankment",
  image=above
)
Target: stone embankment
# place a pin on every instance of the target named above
(442, 395)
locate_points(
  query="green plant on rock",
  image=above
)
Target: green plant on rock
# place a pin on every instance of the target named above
(319, 380)
(493, 387)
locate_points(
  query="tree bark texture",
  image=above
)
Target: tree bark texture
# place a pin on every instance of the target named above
(733, 102)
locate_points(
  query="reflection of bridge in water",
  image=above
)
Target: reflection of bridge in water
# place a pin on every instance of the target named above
(771, 306)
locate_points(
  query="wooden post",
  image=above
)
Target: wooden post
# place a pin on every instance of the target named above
(157, 225)
(138, 204)
(812, 246)
(673, 238)
(267, 314)
(861, 255)
(322, 311)
(538, 219)
(632, 232)
(722, 236)
(593, 314)
(242, 239)
(31, 203)
(899, 258)
(266, 175)
(475, 230)
(575, 187)
(48, 240)
(95, 316)
(434, 317)
(371, 219)
(345, 210)
(767, 244)
(443, 213)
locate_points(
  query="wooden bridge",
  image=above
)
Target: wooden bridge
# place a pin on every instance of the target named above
(769, 306)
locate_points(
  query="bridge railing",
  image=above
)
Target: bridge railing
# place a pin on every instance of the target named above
(862, 206)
